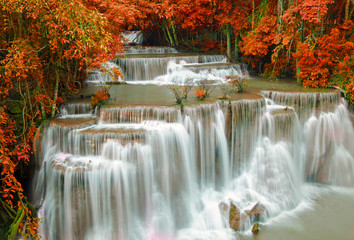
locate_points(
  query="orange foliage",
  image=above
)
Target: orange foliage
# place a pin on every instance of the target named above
(201, 94)
(11, 154)
(232, 12)
(314, 69)
(350, 90)
(239, 84)
(206, 44)
(226, 97)
(99, 97)
(329, 59)
(255, 45)
(195, 15)
(309, 10)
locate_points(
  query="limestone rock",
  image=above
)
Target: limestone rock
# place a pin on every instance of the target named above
(255, 229)
(235, 217)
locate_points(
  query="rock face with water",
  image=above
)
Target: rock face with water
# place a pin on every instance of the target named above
(156, 172)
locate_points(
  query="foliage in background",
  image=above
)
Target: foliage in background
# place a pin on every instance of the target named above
(308, 39)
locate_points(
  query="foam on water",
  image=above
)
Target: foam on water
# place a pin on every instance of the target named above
(178, 73)
(133, 37)
(148, 68)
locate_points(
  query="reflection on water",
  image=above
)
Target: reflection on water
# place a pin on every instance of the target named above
(325, 213)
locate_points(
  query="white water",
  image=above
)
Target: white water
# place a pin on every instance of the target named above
(148, 68)
(158, 173)
(162, 65)
(150, 50)
(183, 73)
(98, 77)
(133, 37)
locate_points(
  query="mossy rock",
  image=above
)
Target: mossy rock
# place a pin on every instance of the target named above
(235, 217)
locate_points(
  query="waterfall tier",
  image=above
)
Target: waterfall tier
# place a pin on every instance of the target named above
(161, 65)
(148, 67)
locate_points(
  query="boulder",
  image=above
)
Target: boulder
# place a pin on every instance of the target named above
(255, 228)
(235, 217)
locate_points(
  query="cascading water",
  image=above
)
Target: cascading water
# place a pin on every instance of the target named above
(150, 50)
(76, 110)
(148, 67)
(164, 65)
(159, 173)
(133, 37)
(165, 172)
(183, 72)
(99, 77)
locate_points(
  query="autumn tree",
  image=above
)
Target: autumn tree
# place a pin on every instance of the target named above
(232, 17)
(46, 49)
(309, 39)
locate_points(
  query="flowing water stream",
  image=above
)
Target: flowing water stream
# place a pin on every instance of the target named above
(163, 173)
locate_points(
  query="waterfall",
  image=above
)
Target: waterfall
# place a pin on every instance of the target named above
(150, 50)
(329, 151)
(143, 172)
(103, 76)
(171, 172)
(133, 37)
(80, 108)
(148, 67)
(164, 64)
(183, 72)
(306, 104)
(139, 113)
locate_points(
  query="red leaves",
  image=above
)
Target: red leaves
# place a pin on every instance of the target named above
(326, 60)
(99, 97)
(350, 90)
(9, 157)
(239, 85)
(11, 154)
(200, 93)
(311, 11)
(314, 10)
(256, 44)
(314, 71)
(206, 44)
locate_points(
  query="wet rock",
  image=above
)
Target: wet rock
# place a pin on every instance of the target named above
(255, 229)
(256, 210)
(235, 217)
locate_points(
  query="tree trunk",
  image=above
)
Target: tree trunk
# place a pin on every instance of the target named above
(44, 116)
(347, 9)
(253, 8)
(174, 33)
(228, 39)
(236, 47)
(55, 96)
(168, 33)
